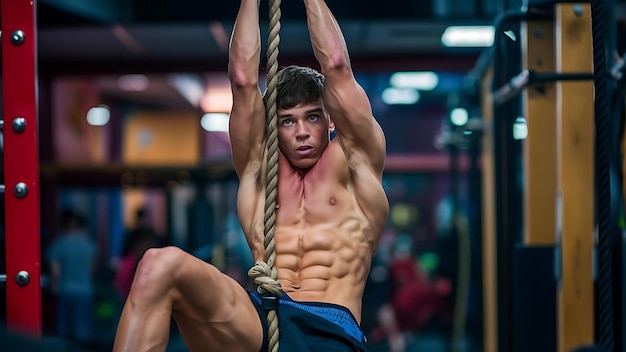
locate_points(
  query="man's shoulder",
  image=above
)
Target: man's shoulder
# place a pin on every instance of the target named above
(334, 155)
(334, 147)
(353, 159)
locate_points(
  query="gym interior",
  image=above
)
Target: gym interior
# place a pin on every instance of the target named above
(504, 122)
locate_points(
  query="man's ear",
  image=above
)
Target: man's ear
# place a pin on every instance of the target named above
(331, 126)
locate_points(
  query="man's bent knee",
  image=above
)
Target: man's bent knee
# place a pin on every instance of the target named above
(156, 271)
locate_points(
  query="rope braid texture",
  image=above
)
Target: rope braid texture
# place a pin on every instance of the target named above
(264, 273)
(603, 186)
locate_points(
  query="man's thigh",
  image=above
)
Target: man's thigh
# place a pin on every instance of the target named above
(212, 309)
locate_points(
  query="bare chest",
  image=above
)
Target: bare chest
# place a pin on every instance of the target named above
(312, 199)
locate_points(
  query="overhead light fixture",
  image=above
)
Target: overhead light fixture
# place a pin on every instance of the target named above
(98, 115)
(215, 122)
(400, 96)
(416, 80)
(459, 116)
(468, 36)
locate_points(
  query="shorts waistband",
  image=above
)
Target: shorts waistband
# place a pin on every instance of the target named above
(333, 313)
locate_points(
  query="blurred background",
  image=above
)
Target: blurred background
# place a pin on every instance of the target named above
(134, 153)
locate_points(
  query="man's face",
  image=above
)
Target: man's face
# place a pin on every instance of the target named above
(303, 133)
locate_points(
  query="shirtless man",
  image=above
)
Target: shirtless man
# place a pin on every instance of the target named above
(332, 210)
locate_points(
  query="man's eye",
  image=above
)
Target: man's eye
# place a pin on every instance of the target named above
(313, 118)
(287, 122)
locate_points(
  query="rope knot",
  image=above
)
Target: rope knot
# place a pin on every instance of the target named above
(265, 278)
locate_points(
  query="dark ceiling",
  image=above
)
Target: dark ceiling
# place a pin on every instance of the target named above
(163, 36)
(112, 37)
(117, 35)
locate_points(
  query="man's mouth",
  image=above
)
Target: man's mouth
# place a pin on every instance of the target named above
(304, 150)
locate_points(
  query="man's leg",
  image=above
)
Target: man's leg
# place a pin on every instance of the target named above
(82, 318)
(212, 311)
(63, 317)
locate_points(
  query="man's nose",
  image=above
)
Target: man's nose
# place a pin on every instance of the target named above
(302, 132)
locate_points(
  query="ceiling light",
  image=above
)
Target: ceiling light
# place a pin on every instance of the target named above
(215, 122)
(398, 96)
(468, 36)
(459, 116)
(98, 115)
(416, 80)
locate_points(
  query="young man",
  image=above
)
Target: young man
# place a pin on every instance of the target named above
(73, 257)
(331, 212)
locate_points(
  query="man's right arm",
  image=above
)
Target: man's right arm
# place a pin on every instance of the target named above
(247, 118)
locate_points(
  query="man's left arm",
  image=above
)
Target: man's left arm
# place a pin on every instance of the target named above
(358, 132)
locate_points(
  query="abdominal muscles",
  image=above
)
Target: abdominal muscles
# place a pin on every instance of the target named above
(323, 262)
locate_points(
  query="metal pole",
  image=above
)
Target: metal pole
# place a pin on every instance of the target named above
(21, 171)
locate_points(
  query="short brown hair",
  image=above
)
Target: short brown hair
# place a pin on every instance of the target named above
(298, 85)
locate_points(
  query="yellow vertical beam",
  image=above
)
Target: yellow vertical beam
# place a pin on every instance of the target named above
(575, 110)
(490, 296)
(540, 146)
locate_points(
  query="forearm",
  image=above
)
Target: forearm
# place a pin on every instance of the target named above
(329, 45)
(245, 45)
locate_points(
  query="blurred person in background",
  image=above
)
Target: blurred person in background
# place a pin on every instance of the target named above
(136, 242)
(72, 258)
(417, 300)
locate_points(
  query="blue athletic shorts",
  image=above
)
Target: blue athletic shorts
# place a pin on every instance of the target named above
(312, 327)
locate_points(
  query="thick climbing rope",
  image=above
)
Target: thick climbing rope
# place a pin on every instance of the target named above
(603, 184)
(264, 273)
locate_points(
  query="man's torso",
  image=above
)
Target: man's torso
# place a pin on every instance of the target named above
(324, 240)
